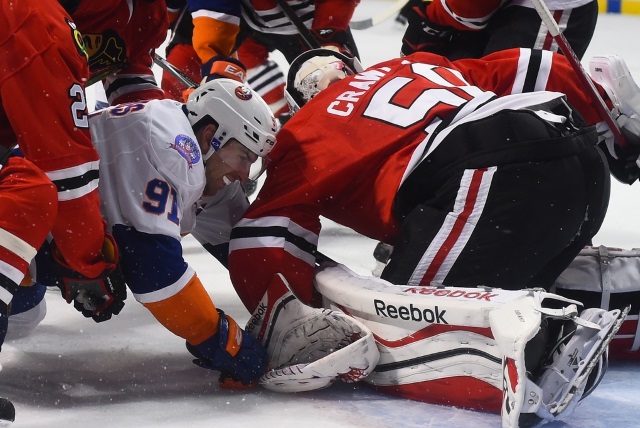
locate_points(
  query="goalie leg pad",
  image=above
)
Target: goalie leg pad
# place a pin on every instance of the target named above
(309, 348)
(541, 386)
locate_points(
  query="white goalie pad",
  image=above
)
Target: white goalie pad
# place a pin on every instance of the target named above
(309, 348)
(436, 344)
(461, 346)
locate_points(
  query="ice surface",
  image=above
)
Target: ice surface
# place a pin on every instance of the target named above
(130, 372)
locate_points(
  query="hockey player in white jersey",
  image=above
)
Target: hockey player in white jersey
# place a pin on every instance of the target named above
(159, 160)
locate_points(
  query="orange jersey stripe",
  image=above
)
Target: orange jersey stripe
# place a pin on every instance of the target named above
(189, 314)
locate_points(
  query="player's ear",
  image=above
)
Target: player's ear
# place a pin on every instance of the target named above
(210, 131)
(206, 138)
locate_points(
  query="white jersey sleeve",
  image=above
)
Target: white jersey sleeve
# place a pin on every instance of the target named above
(151, 169)
(217, 214)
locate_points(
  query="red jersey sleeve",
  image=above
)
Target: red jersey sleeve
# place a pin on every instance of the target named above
(333, 14)
(463, 14)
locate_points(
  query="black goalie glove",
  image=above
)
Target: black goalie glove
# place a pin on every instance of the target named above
(98, 298)
(623, 161)
(339, 40)
(423, 35)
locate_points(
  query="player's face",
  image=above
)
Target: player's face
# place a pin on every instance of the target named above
(232, 162)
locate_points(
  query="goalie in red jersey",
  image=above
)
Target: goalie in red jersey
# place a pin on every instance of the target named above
(489, 172)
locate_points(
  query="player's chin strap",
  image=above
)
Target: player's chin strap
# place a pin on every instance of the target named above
(309, 348)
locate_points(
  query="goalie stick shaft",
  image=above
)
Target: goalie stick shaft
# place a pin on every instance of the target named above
(378, 18)
(306, 34)
(174, 71)
(585, 79)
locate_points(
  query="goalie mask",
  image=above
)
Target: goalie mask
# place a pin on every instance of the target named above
(237, 111)
(313, 71)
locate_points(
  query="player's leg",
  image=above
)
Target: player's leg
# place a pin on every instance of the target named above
(49, 117)
(28, 203)
(264, 75)
(495, 226)
(185, 58)
(28, 309)
(518, 26)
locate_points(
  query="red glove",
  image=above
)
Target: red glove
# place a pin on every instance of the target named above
(98, 298)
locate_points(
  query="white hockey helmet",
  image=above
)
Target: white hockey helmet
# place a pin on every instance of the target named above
(313, 71)
(237, 111)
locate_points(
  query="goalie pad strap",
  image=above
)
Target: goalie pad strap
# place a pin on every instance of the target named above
(605, 274)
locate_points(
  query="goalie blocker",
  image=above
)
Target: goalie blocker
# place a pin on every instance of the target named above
(480, 348)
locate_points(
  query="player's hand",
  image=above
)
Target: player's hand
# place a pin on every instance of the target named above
(223, 66)
(423, 35)
(98, 298)
(337, 40)
(237, 355)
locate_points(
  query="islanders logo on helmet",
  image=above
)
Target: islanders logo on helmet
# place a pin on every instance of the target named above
(187, 148)
(243, 92)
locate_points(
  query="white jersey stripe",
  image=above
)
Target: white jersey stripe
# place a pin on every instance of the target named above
(454, 234)
(76, 171)
(168, 291)
(17, 246)
(67, 195)
(278, 241)
(218, 16)
(5, 296)
(12, 273)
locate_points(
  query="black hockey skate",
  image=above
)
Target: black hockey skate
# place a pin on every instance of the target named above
(575, 364)
(7, 412)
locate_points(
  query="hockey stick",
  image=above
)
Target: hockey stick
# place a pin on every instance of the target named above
(174, 71)
(377, 19)
(587, 83)
(306, 34)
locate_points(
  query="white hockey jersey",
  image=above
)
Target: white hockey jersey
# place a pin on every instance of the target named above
(151, 169)
(217, 214)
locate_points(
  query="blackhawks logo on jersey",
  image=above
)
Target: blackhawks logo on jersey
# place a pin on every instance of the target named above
(77, 38)
(107, 53)
(187, 148)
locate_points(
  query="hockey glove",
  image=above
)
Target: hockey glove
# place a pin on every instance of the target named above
(338, 40)
(223, 66)
(98, 298)
(422, 35)
(231, 351)
(623, 161)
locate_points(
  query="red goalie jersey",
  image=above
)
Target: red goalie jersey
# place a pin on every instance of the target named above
(345, 154)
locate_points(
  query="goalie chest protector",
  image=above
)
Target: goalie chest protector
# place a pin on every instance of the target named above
(607, 278)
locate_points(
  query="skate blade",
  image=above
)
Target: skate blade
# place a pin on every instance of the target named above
(594, 358)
